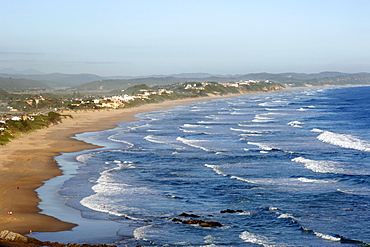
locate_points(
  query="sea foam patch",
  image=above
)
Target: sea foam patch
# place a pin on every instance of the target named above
(253, 238)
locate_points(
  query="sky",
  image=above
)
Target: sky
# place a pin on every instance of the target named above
(147, 37)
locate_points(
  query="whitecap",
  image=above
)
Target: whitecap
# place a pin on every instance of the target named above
(194, 143)
(320, 166)
(191, 125)
(286, 216)
(343, 140)
(326, 236)
(261, 146)
(112, 138)
(320, 181)
(261, 119)
(216, 169)
(253, 238)
(302, 109)
(84, 157)
(247, 131)
(243, 179)
(153, 139)
(295, 124)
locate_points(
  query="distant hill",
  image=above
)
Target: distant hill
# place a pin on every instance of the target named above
(109, 85)
(4, 95)
(57, 80)
(21, 85)
(288, 79)
(92, 82)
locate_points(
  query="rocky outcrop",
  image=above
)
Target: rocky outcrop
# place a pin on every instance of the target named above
(189, 215)
(210, 224)
(9, 236)
(230, 211)
(18, 238)
(196, 221)
(202, 223)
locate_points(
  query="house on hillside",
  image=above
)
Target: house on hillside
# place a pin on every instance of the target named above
(112, 104)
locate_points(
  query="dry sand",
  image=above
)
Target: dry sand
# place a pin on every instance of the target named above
(27, 161)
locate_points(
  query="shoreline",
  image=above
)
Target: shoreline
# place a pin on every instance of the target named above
(30, 159)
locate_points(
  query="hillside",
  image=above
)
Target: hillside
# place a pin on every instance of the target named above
(109, 85)
(91, 82)
(288, 79)
(57, 80)
(21, 85)
(4, 95)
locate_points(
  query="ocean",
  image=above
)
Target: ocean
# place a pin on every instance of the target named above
(288, 168)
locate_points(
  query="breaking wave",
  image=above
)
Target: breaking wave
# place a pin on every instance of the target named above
(343, 140)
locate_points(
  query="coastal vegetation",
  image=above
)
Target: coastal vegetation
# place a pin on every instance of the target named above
(12, 128)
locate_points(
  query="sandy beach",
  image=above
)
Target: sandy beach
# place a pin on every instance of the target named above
(27, 161)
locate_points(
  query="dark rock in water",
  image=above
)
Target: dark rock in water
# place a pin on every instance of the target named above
(210, 224)
(193, 222)
(230, 211)
(189, 215)
(176, 220)
(202, 223)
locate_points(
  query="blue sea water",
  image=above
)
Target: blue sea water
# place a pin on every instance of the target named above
(294, 165)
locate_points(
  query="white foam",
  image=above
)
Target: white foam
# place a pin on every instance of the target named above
(261, 146)
(255, 239)
(243, 179)
(357, 191)
(188, 131)
(246, 213)
(272, 109)
(238, 113)
(129, 144)
(286, 216)
(318, 130)
(326, 237)
(295, 124)
(154, 139)
(109, 194)
(191, 126)
(153, 130)
(261, 119)
(215, 168)
(83, 157)
(343, 140)
(194, 143)
(321, 166)
(139, 233)
(308, 180)
(251, 132)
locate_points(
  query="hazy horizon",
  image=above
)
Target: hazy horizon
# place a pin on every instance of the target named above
(140, 38)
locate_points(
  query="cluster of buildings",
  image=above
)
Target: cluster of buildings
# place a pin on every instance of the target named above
(118, 101)
(5, 118)
(35, 101)
(197, 86)
(241, 83)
